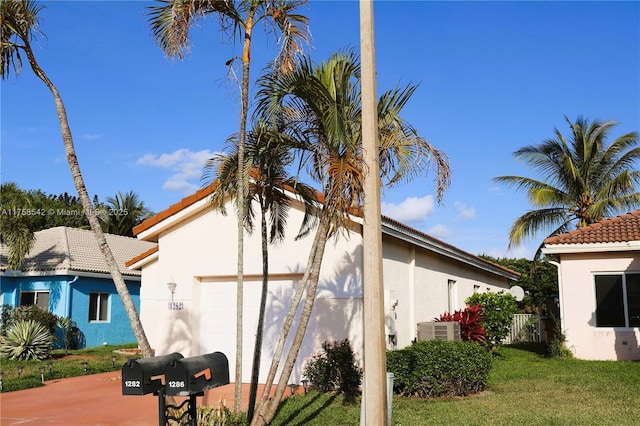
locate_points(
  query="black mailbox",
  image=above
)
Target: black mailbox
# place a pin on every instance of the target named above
(143, 376)
(194, 375)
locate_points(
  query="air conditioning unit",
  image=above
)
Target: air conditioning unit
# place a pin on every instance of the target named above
(445, 330)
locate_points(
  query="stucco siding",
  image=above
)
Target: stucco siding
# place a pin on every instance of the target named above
(578, 298)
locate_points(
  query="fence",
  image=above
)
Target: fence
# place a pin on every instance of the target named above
(525, 328)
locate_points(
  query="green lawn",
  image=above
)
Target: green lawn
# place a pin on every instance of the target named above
(525, 388)
(62, 364)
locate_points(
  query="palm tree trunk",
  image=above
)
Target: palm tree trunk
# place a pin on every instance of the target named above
(268, 409)
(78, 181)
(246, 61)
(257, 351)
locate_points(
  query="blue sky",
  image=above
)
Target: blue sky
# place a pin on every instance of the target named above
(493, 76)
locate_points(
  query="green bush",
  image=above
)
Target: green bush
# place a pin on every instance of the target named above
(437, 368)
(27, 340)
(498, 309)
(557, 347)
(334, 369)
(32, 312)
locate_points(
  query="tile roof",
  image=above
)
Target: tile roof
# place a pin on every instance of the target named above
(618, 229)
(63, 248)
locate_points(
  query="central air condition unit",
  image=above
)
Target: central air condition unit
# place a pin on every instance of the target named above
(444, 330)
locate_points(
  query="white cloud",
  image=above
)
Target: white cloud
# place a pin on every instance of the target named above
(464, 212)
(91, 137)
(411, 210)
(440, 231)
(186, 165)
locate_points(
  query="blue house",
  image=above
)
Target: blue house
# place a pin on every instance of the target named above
(66, 274)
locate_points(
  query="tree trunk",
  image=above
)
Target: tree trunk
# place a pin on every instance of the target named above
(246, 61)
(257, 351)
(78, 181)
(267, 409)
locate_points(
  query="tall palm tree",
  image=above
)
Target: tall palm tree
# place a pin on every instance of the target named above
(170, 23)
(320, 106)
(20, 23)
(123, 212)
(582, 179)
(267, 158)
(15, 228)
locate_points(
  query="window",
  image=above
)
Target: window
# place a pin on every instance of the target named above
(452, 296)
(99, 307)
(618, 300)
(38, 298)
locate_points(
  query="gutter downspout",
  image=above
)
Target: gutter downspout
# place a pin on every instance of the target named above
(560, 292)
(67, 300)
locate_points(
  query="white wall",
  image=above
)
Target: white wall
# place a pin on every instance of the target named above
(578, 304)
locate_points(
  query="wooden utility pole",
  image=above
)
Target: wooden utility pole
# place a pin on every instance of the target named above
(375, 371)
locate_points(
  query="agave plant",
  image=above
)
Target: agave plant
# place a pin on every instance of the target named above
(27, 340)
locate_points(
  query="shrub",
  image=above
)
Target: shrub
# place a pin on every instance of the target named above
(32, 312)
(219, 416)
(471, 321)
(557, 347)
(437, 368)
(71, 334)
(334, 369)
(27, 340)
(499, 309)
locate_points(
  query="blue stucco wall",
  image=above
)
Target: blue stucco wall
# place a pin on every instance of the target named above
(69, 298)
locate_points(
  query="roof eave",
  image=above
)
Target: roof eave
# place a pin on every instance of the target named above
(590, 247)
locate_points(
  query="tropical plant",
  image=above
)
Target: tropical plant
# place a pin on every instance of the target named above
(20, 25)
(71, 334)
(498, 309)
(539, 280)
(34, 313)
(122, 212)
(334, 369)
(319, 107)
(267, 157)
(471, 321)
(27, 340)
(170, 22)
(582, 179)
(15, 230)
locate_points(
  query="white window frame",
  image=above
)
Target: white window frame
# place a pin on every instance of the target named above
(36, 293)
(98, 310)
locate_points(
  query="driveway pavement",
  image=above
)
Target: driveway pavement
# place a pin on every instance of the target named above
(95, 400)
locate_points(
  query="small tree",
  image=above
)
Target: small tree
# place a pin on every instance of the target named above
(498, 309)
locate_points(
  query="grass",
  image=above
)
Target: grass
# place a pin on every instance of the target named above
(525, 388)
(62, 364)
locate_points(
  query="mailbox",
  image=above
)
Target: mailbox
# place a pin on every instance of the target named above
(143, 376)
(194, 375)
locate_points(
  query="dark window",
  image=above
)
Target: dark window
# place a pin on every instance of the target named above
(633, 299)
(612, 308)
(38, 298)
(98, 306)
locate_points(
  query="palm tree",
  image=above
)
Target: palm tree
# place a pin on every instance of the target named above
(320, 105)
(582, 179)
(267, 158)
(123, 212)
(170, 23)
(15, 228)
(20, 23)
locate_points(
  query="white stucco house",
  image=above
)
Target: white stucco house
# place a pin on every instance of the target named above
(599, 286)
(196, 249)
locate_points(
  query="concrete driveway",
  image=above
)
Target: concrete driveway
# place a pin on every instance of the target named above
(94, 399)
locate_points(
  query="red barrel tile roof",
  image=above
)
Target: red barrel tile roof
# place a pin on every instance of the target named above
(618, 229)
